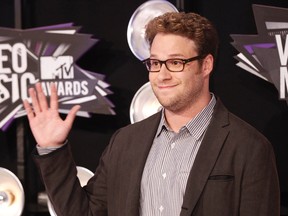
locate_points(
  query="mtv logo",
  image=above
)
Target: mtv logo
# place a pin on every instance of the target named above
(60, 67)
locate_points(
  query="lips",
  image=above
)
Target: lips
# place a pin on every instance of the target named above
(166, 86)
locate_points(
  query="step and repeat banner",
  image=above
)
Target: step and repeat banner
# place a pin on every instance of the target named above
(48, 54)
(101, 69)
(266, 54)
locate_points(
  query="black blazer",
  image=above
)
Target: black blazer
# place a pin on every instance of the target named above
(234, 173)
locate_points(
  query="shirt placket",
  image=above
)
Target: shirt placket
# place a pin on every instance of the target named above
(167, 169)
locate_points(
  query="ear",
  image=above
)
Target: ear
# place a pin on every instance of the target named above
(207, 64)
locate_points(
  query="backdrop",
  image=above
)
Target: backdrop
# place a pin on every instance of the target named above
(249, 97)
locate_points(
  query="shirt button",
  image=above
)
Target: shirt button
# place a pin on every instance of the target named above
(164, 175)
(161, 208)
(172, 145)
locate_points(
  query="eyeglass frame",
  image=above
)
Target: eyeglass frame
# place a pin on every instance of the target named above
(184, 61)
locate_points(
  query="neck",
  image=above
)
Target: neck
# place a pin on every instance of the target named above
(178, 118)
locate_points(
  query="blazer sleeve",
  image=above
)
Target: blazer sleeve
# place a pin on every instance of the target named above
(260, 186)
(115, 186)
(59, 175)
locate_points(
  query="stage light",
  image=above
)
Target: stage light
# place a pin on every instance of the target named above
(12, 197)
(136, 27)
(144, 104)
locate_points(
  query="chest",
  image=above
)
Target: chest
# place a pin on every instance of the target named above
(166, 173)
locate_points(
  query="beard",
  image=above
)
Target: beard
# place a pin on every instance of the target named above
(181, 101)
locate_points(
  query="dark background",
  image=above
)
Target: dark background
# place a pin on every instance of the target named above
(246, 95)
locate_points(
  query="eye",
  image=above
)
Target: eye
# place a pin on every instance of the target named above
(175, 62)
(154, 62)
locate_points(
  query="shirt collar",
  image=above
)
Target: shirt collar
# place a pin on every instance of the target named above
(197, 125)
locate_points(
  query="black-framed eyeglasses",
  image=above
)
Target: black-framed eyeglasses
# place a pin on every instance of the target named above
(173, 65)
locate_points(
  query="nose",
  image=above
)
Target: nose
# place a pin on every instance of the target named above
(164, 73)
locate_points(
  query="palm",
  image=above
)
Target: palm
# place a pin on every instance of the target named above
(47, 126)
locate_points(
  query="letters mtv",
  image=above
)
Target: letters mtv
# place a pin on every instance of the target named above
(56, 67)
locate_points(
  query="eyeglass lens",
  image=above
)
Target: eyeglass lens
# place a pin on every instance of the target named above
(175, 65)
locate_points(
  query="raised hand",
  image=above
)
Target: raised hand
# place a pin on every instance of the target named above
(48, 128)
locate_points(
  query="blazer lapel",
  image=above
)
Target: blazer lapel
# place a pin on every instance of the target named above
(206, 158)
(143, 141)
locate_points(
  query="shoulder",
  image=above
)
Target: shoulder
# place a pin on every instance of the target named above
(238, 129)
(144, 128)
(146, 124)
(239, 139)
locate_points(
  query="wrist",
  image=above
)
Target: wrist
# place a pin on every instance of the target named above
(48, 149)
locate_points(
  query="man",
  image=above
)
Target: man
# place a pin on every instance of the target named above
(192, 158)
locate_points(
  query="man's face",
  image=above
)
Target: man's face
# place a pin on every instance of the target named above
(177, 91)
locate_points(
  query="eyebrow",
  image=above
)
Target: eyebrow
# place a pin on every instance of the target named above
(170, 56)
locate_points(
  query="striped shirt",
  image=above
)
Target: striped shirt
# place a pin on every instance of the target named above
(169, 163)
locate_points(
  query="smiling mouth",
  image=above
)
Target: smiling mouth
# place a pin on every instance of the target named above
(166, 86)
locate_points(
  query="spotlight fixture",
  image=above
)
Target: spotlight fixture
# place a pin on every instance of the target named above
(137, 23)
(144, 104)
(12, 196)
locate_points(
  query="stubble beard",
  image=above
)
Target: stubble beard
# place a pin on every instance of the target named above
(179, 103)
(183, 101)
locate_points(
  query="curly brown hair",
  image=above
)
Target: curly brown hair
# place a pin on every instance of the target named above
(190, 25)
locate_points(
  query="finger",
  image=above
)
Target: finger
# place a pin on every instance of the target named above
(41, 97)
(72, 114)
(28, 108)
(53, 97)
(33, 96)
